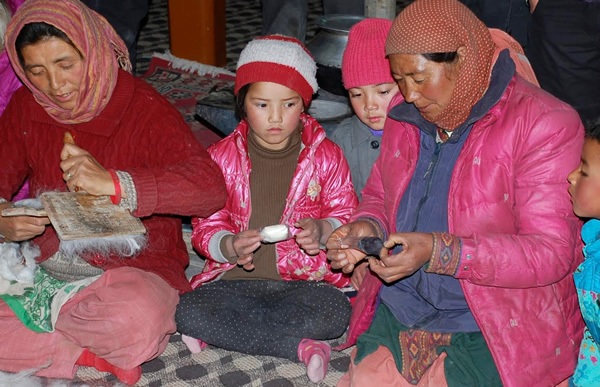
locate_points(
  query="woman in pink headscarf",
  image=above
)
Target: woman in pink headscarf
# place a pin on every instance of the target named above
(469, 194)
(130, 144)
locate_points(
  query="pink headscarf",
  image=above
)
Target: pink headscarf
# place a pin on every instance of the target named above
(102, 49)
(435, 26)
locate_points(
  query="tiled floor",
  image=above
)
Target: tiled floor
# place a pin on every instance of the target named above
(243, 18)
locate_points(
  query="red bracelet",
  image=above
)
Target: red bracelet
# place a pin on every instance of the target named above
(116, 198)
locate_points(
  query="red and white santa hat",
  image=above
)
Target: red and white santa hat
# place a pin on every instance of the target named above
(278, 59)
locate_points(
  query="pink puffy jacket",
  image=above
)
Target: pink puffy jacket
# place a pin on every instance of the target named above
(508, 202)
(9, 82)
(321, 188)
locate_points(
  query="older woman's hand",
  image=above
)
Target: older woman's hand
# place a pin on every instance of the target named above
(81, 170)
(416, 251)
(340, 255)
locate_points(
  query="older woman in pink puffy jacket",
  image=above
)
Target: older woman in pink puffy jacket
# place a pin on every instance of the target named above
(470, 196)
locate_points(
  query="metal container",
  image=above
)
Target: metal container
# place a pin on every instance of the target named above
(327, 47)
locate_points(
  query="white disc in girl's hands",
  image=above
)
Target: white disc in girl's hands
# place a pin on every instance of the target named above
(275, 233)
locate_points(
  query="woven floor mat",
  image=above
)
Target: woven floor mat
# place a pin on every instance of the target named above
(177, 366)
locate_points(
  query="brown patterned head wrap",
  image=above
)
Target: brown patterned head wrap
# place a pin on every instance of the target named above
(436, 26)
(102, 49)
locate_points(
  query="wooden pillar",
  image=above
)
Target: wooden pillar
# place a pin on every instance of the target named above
(380, 8)
(197, 30)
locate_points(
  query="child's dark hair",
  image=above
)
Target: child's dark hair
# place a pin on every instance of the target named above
(33, 33)
(240, 109)
(592, 129)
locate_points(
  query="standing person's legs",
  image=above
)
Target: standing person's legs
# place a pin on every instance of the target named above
(510, 16)
(346, 7)
(564, 51)
(286, 17)
(262, 317)
(126, 17)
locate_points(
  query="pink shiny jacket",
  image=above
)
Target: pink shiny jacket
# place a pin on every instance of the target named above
(508, 202)
(9, 82)
(321, 188)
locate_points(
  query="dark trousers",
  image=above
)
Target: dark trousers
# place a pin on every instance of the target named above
(263, 317)
(564, 51)
(126, 18)
(288, 17)
(510, 16)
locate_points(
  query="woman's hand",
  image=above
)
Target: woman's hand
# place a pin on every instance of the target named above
(242, 246)
(81, 170)
(340, 255)
(311, 233)
(21, 228)
(416, 251)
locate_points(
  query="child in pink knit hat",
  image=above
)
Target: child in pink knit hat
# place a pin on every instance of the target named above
(367, 77)
(263, 292)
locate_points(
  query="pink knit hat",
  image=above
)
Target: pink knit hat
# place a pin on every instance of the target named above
(364, 61)
(278, 59)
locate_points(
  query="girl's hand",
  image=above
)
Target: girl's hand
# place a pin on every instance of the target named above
(82, 171)
(310, 235)
(416, 252)
(242, 246)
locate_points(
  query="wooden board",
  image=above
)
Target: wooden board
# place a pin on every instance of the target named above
(80, 215)
(24, 211)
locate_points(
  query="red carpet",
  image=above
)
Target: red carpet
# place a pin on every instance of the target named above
(183, 83)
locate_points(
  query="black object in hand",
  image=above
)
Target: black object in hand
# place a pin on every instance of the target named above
(370, 245)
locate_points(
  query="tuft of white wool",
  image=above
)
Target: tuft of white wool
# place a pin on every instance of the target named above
(26, 379)
(33, 203)
(122, 246)
(191, 66)
(17, 261)
(21, 379)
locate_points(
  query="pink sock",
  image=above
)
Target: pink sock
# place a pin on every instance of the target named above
(194, 345)
(315, 354)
